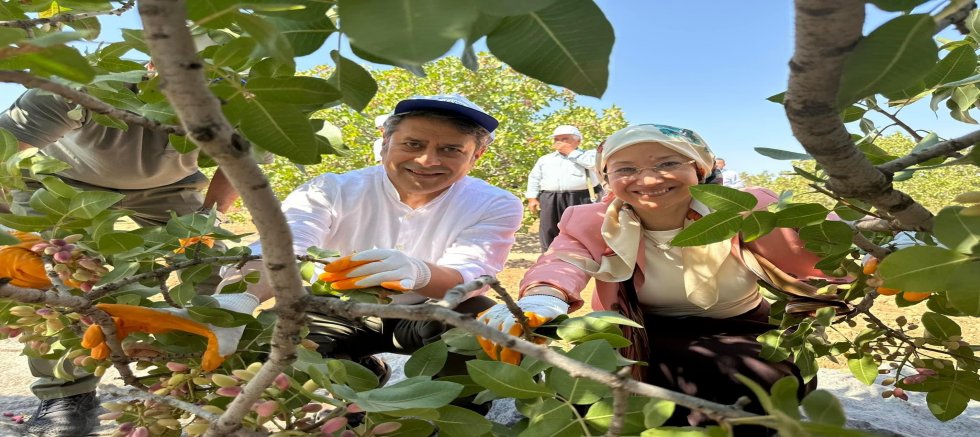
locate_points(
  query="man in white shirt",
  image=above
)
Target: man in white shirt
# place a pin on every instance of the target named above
(729, 178)
(379, 123)
(563, 178)
(416, 225)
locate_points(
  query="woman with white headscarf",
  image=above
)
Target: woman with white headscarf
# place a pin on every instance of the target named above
(700, 306)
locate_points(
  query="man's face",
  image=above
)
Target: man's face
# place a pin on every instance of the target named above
(425, 156)
(566, 142)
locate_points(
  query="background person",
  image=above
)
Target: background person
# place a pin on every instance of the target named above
(561, 179)
(700, 306)
(155, 180)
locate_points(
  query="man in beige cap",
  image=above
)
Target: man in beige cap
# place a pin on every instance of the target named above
(563, 178)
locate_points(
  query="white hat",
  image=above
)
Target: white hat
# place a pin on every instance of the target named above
(454, 103)
(380, 120)
(567, 130)
(683, 141)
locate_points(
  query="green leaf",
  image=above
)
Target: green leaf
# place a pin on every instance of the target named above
(656, 412)
(506, 380)
(117, 242)
(7, 239)
(504, 8)
(61, 61)
(852, 113)
(418, 392)
(920, 268)
(956, 231)
(578, 390)
(576, 328)
(775, 347)
(566, 44)
(214, 316)
(236, 54)
(548, 417)
(863, 368)
(822, 407)
(896, 5)
(271, 43)
(111, 122)
(962, 291)
(88, 204)
(893, 57)
(119, 271)
(613, 317)
(183, 293)
(721, 198)
(757, 224)
(194, 274)
(827, 238)
(298, 90)
(56, 39)
(782, 155)
(800, 215)
(356, 85)
(712, 228)
(456, 421)
(958, 64)
(947, 403)
(305, 36)
(600, 415)
(940, 326)
(281, 129)
(428, 360)
(408, 35)
(355, 375)
(27, 223)
(46, 202)
(784, 396)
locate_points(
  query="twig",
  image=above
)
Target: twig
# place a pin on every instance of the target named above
(165, 291)
(956, 17)
(946, 148)
(899, 123)
(876, 225)
(621, 399)
(459, 293)
(67, 18)
(116, 354)
(88, 102)
(866, 245)
(58, 284)
(129, 393)
(104, 289)
(840, 199)
(575, 368)
(515, 309)
(48, 297)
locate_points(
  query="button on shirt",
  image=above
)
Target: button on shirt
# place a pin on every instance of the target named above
(557, 172)
(470, 227)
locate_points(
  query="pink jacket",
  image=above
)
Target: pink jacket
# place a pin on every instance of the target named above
(579, 234)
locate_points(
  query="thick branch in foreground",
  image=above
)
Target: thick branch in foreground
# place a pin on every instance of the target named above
(826, 31)
(575, 368)
(183, 83)
(88, 102)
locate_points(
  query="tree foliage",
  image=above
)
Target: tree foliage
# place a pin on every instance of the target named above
(243, 91)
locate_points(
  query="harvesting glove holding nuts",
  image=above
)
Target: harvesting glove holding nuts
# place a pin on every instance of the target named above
(387, 268)
(222, 342)
(538, 308)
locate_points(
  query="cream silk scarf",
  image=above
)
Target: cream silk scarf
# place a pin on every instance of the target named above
(623, 233)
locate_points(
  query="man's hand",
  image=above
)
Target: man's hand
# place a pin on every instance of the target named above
(538, 309)
(222, 342)
(533, 206)
(387, 268)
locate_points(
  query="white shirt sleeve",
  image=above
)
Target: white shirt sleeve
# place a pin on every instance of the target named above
(482, 248)
(310, 213)
(586, 159)
(534, 180)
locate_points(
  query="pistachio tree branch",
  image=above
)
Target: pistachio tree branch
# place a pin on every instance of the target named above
(621, 399)
(104, 289)
(86, 101)
(67, 17)
(183, 83)
(826, 32)
(574, 367)
(515, 310)
(915, 135)
(129, 393)
(460, 292)
(944, 149)
(116, 353)
(48, 297)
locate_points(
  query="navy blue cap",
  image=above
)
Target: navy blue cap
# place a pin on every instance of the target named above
(454, 103)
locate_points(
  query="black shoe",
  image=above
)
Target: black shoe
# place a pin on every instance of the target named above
(72, 416)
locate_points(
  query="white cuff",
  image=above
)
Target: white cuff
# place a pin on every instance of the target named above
(424, 273)
(244, 303)
(550, 302)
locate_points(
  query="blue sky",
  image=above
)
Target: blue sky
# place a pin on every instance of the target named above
(707, 65)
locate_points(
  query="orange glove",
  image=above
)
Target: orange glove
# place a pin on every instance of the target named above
(539, 309)
(386, 268)
(24, 267)
(222, 342)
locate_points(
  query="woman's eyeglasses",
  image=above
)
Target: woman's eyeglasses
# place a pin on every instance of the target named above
(663, 169)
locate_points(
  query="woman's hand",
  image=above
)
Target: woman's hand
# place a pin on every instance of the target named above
(538, 308)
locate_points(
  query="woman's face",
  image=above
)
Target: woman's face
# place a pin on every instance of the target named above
(652, 177)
